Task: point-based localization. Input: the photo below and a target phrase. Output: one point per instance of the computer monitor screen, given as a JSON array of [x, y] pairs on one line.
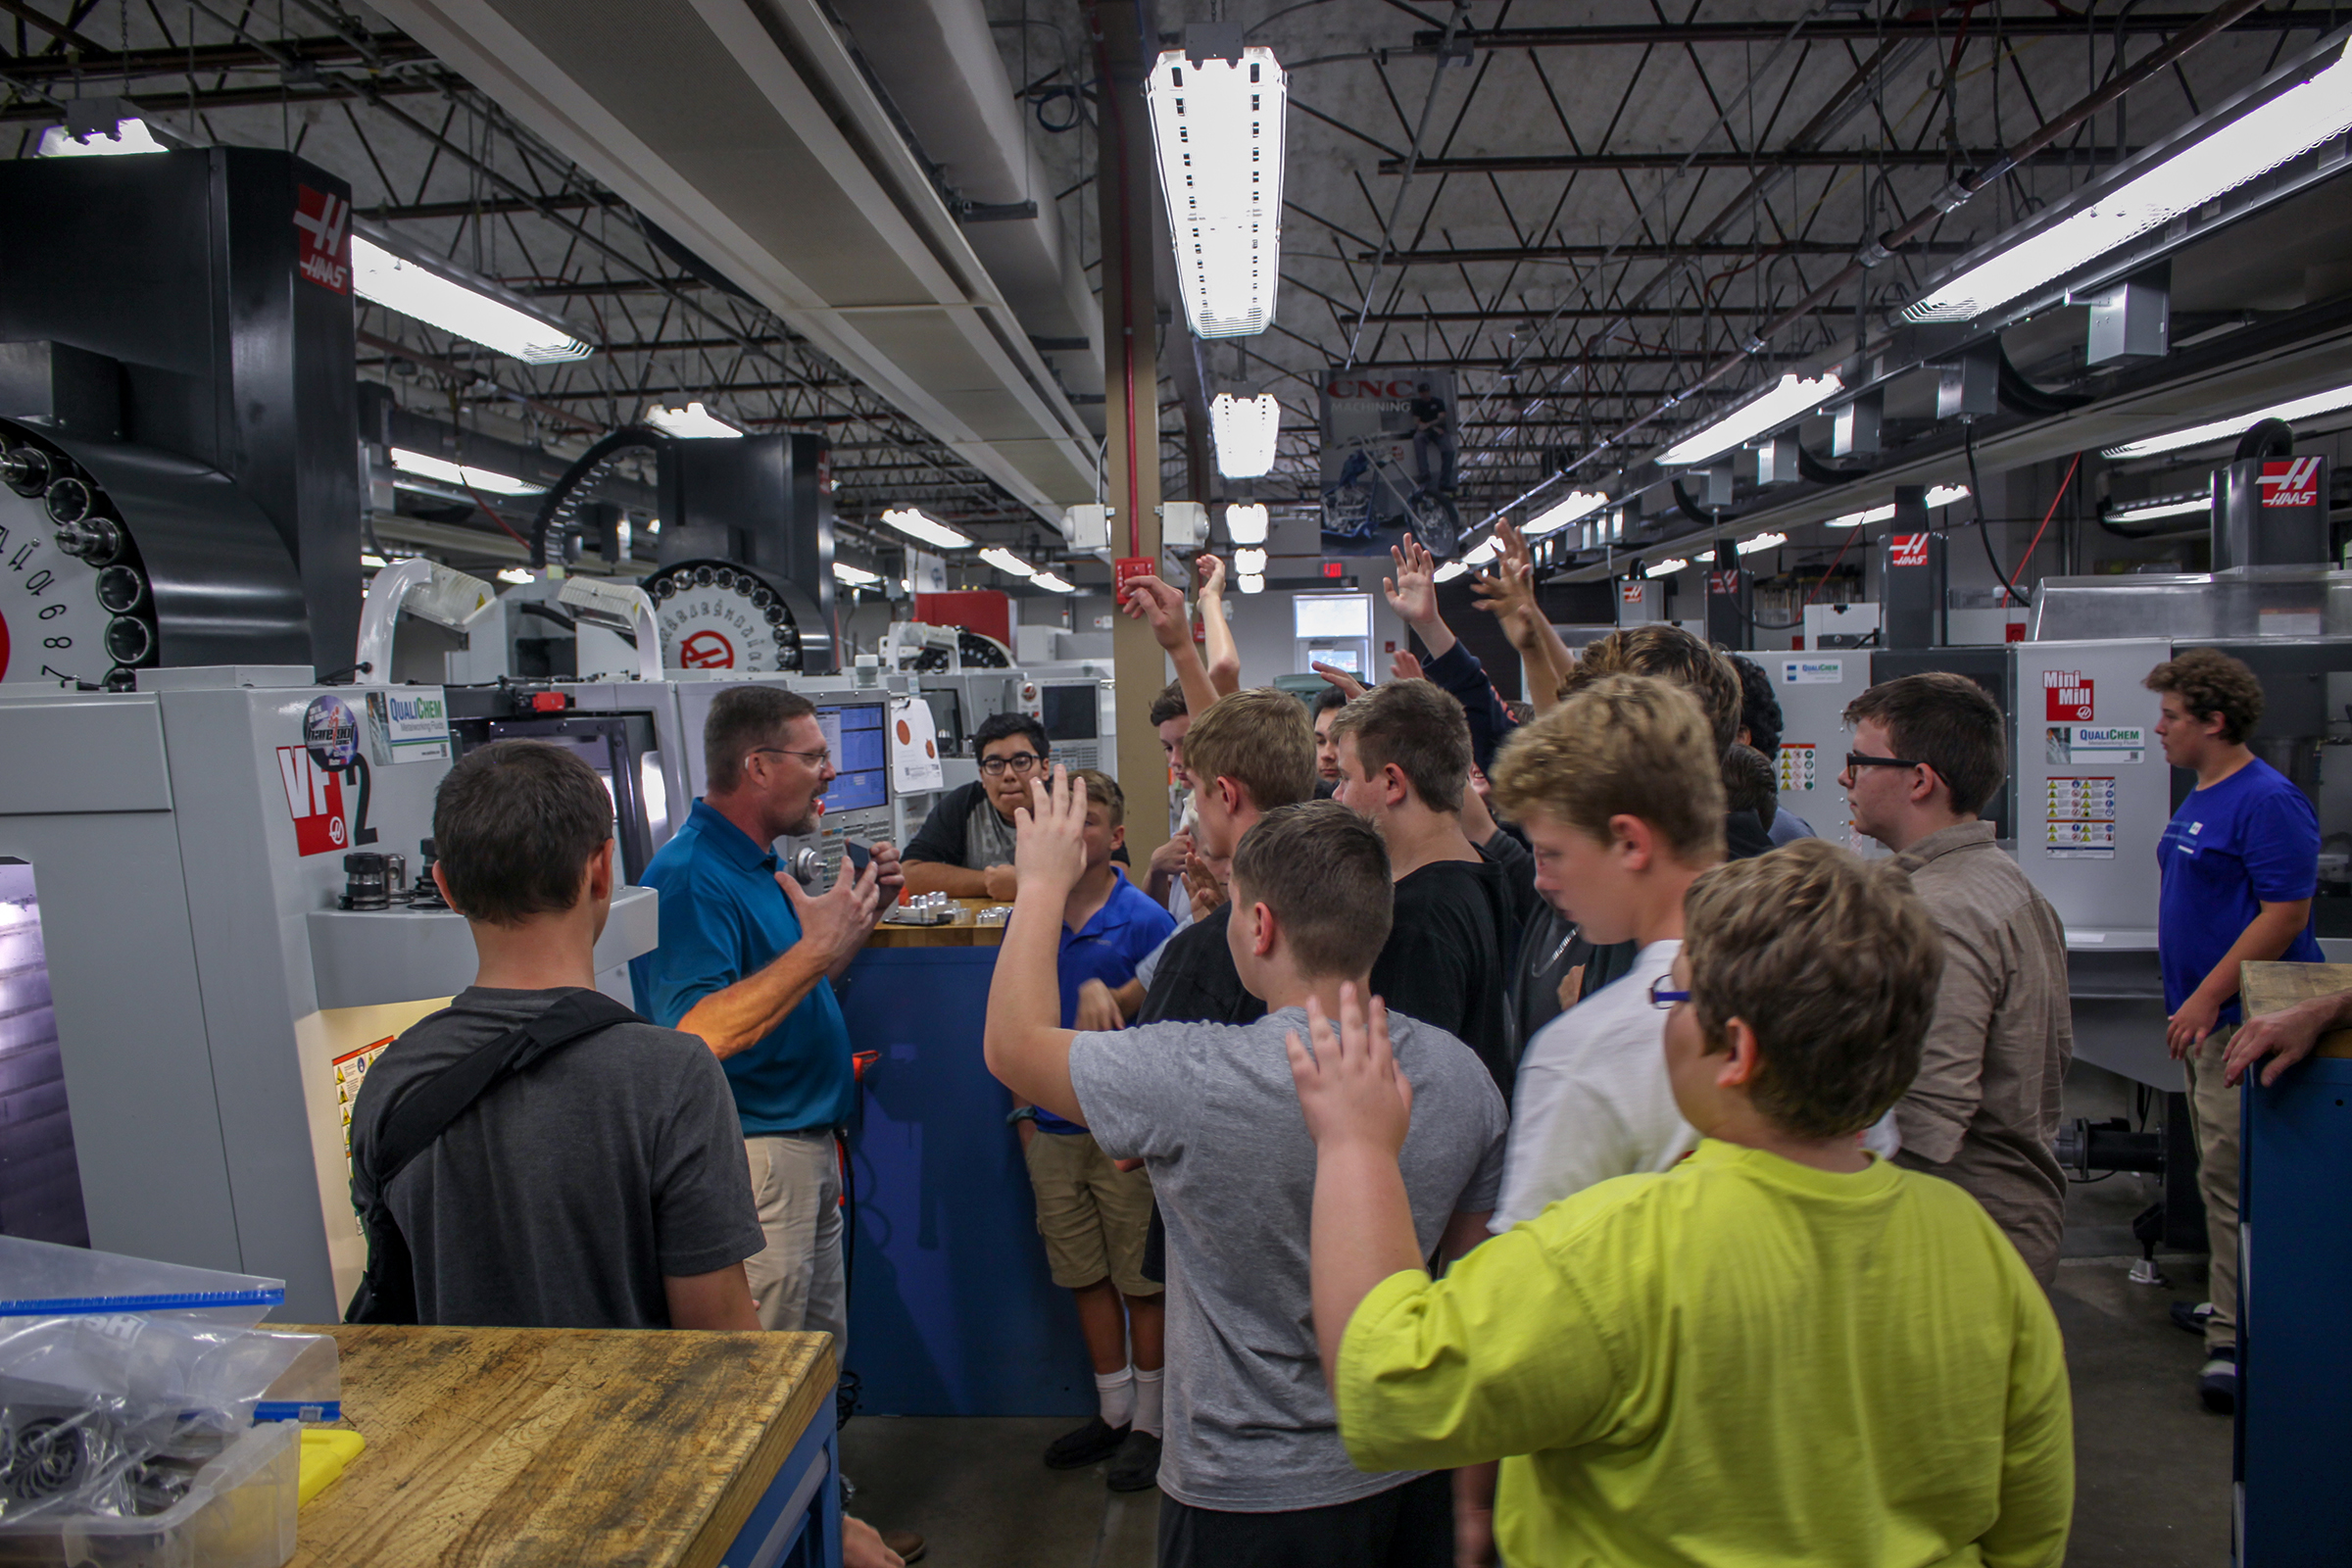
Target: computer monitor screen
[[1331, 615], [860, 748], [1070, 712]]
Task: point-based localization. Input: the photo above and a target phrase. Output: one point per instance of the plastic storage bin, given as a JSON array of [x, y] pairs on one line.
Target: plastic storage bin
[[238, 1513]]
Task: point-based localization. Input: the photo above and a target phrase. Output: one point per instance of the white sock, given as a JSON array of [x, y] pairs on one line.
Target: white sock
[[1117, 1391], [1148, 1385]]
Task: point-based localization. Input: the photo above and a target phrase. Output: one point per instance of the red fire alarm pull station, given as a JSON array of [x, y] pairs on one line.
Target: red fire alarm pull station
[[1126, 570]]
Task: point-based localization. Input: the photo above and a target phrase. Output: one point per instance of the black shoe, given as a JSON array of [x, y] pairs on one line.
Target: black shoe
[[1136, 1466], [2191, 1315], [1090, 1443], [2216, 1380]]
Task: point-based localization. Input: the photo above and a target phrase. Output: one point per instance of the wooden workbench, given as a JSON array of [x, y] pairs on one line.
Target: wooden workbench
[[500, 1447], [964, 933], [2270, 987]]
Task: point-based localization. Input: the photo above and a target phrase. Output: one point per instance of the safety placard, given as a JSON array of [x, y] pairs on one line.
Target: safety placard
[[351, 1071], [1797, 766], [2078, 818]]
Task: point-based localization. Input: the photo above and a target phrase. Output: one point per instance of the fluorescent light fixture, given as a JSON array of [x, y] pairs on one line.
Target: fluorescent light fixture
[[854, 576], [694, 423], [370, 560], [1483, 553], [1943, 495], [2304, 117], [2197, 435], [1667, 567], [1245, 429], [1705, 557], [127, 136], [1785, 400], [1217, 129], [1052, 583], [2151, 511], [1762, 541], [469, 309], [1245, 523], [490, 482], [1254, 585], [1578, 504], [1448, 572], [1250, 562], [514, 574], [917, 525], [1007, 562]]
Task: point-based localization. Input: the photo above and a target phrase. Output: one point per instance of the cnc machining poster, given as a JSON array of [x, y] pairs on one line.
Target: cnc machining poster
[[1368, 465]]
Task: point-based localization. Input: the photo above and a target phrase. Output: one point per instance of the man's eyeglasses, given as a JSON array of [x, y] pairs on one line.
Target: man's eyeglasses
[[1660, 995], [819, 759], [1018, 762], [1861, 759]]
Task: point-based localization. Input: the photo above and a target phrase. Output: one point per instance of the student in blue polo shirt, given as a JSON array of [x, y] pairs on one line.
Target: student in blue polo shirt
[[1095, 1216], [747, 961], [2239, 863]]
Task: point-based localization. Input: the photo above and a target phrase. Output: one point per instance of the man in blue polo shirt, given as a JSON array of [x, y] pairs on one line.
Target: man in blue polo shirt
[[747, 961], [1094, 1215], [2239, 863]]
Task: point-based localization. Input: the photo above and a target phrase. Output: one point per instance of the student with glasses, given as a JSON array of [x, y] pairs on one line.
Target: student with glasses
[[965, 846]]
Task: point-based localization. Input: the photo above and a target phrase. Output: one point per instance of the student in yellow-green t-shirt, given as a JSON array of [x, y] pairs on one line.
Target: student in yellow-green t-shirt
[[1783, 1350]]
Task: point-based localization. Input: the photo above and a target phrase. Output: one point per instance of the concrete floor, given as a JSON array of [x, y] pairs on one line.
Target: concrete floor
[[2151, 1466]]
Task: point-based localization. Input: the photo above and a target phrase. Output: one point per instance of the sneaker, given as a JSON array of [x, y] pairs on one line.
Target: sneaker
[[2216, 1380], [2191, 1316], [1136, 1466], [1090, 1443]]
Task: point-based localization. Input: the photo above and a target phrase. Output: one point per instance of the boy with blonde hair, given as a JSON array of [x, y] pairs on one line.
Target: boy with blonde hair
[[1783, 1351]]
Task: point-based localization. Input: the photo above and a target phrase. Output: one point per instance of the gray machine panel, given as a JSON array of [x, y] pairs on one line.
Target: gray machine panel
[[1814, 689], [77, 755], [2094, 791]]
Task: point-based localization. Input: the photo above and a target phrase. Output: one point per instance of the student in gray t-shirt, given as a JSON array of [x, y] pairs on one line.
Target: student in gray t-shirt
[[1254, 1470]]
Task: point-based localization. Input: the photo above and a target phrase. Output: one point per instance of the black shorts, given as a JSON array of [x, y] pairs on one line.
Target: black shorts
[[1405, 1527]]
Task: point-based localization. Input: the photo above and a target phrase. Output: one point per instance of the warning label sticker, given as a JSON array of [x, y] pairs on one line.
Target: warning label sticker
[[2078, 818], [1798, 770]]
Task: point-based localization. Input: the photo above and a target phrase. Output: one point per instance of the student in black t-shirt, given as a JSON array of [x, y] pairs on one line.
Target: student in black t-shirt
[[1404, 763]]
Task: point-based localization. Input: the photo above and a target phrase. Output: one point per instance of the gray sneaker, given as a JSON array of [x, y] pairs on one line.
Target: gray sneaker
[[1136, 1466]]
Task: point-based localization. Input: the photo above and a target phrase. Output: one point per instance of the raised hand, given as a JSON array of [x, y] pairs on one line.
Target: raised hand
[[1349, 1086], [840, 920], [1402, 665], [1209, 574], [1413, 592], [1050, 834], [1161, 604], [1341, 679]]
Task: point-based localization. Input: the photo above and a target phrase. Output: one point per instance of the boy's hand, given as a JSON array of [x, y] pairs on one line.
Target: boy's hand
[[1349, 1086], [1050, 834], [1162, 605], [1204, 884], [1413, 592], [1346, 683], [1098, 1009], [1403, 666], [1208, 573], [1003, 883], [2184, 1031]]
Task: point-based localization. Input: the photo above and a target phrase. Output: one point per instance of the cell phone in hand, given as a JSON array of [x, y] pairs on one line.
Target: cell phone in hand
[[855, 856]]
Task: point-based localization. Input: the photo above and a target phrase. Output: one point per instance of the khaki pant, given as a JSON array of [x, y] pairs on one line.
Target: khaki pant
[[2213, 1111], [1093, 1215], [797, 1281]]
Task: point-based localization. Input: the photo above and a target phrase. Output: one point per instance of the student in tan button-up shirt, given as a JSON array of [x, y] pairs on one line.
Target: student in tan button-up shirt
[[1929, 751]]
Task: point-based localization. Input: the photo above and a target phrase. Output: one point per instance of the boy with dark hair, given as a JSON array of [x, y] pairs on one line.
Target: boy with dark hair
[[1930, 750], [2239, 863], [1405, 767], [1781, 1350], [1327, 704], [1253, 1471], [1760, 720], [964, 847], [604, 1187], [1093, 1217]]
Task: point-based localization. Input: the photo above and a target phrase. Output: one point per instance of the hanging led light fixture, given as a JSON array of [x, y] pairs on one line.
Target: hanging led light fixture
[[472, 307], [1007, 562], [1577, 504], [2306, 116], [694, 423], [1250, 562], [1245, 430], [1786, 399], [490, 482], [2197, 435], [1052, 583], [1217, 129], [919, 525], [2171, 507], [1762, 541], [1254, 585], [1448, 572], [1667, 567], [1943, 495], [1245, 523], [854, 576]]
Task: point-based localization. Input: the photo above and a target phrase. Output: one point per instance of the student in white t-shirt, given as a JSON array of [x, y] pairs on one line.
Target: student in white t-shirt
[[1619, 794]]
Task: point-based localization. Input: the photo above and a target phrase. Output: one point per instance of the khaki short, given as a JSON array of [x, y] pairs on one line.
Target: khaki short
[[1093, 1215]]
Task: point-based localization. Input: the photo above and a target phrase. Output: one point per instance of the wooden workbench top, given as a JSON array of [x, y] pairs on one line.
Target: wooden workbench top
[[964, 933], [501, 1448], [2270, 987]]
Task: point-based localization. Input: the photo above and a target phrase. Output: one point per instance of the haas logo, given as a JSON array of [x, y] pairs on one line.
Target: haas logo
[[322, 238], [2294, 482], [1908, 550], [707, 650]]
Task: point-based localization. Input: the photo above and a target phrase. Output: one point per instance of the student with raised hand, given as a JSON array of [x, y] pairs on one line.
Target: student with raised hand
[[1413, 594], [1784, 1350], [1252, 1472]]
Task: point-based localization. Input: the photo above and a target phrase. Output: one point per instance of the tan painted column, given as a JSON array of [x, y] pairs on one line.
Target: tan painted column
[[1127, 183]]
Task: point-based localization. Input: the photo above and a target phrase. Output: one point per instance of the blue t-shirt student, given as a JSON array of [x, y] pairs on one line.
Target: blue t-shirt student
[[2250, 840], [1128, 927]]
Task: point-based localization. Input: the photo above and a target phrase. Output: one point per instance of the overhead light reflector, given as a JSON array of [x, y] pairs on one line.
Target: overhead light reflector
[[917, 525], [1483, 553], [1785, 400], [2152, 510], [489, 482], [1052, 583], [130, 135], [1667, 567], [2304, 117], [1245, 430], [2197, 435], [854, 576], [1254, 585], [1762, 541], [692, 422], [471, 309], [1578, 504], [1007, 562], [1217, 129], [1943, 495], [1249, 563], [1245, 523]]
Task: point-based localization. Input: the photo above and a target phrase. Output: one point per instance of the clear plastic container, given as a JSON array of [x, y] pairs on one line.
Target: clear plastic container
[[239, 1512], [41, 1279]]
